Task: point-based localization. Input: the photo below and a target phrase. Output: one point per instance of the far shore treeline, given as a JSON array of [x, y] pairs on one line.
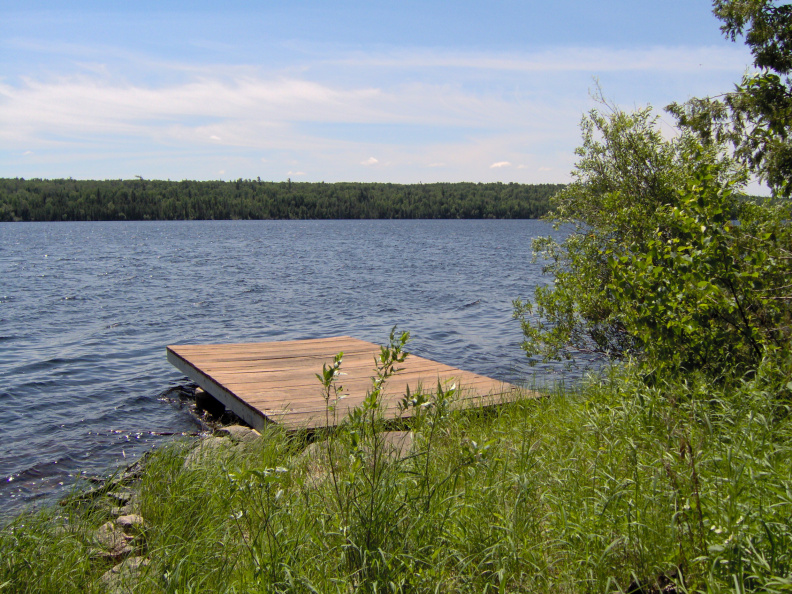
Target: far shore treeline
[[142, 199]]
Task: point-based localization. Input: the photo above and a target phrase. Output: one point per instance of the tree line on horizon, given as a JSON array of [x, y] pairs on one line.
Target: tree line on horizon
[[142, 199]]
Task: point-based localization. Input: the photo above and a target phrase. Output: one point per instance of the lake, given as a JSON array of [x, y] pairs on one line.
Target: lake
[[86, 310]]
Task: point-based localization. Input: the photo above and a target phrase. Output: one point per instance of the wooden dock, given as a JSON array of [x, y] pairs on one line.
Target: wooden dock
[[276, 381]]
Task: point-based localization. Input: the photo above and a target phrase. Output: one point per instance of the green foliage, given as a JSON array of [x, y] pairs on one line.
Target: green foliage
[[664, 261], [707, 292], [140, 199], [627, 177], [381, 501], [756, 117]]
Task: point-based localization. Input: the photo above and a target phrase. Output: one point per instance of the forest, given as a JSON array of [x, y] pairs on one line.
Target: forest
[[142, 199]]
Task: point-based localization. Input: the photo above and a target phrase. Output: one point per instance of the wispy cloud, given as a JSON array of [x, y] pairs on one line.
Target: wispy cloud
[[524, 107], [245, 112]]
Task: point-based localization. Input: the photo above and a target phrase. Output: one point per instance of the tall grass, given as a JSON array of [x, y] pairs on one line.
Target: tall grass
[[614, 487]]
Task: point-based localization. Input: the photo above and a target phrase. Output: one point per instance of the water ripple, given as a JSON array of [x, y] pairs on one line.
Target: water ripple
[[88, 308]]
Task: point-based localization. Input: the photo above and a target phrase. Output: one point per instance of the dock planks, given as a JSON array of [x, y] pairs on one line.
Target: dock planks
[[276, 381]]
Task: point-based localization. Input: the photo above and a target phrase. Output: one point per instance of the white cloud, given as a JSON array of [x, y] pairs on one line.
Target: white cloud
[[100, 102], [425, 113], [80, 104]]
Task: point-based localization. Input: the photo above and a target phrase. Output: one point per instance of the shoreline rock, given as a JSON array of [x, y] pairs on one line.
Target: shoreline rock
[[123, 577]]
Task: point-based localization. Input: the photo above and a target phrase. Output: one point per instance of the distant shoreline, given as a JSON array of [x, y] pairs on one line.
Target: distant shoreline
[[23, 200]]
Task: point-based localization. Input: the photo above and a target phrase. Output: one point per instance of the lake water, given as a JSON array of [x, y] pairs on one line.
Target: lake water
[[86, 310]]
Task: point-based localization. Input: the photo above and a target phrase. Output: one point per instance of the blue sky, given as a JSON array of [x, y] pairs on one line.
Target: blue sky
[[337, 91]]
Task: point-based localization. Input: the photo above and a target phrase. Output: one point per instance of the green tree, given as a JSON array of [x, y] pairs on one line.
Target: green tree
[[664, 261], [756, 117], [626, 177], [707, 292]]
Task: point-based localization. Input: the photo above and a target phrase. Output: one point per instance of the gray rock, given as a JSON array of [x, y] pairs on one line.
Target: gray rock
[[208, 448], [315, 452], [316, 457], [123, 578], [114, 542], [129, 522], [122, 511], [316, 460], [238, 433], [398, 443]]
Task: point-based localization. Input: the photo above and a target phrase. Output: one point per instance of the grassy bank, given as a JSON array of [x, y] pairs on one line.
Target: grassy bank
[[613, 487]]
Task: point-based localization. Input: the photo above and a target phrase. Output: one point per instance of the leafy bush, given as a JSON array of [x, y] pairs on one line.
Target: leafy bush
[[664, 263], [626, 175], [708, 292]]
